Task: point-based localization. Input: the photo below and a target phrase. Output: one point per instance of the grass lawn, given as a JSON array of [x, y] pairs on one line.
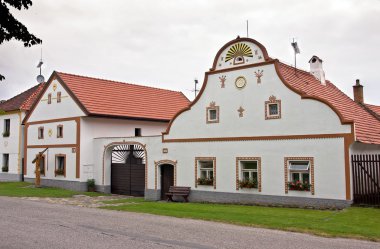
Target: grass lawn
[[23, 189], [354, 222]]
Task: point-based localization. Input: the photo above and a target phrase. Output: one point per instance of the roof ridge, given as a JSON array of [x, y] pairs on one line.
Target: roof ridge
[[118, 82]]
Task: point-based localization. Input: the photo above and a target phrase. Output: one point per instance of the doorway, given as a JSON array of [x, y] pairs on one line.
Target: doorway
[[167, 179]]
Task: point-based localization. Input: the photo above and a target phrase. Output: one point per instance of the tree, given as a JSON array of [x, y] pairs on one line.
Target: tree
[[11, 28]]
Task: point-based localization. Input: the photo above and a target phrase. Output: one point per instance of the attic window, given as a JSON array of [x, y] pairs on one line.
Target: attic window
[[313, 60], [212, 113], [40, 132], [137, 132], [60, 131], [59, 97], [49, 98], [273, 108]]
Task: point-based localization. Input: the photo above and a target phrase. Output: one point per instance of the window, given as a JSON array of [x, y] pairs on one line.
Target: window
[[49, 98], [299, 171], [60, 165], [212, 113], [248, 173], [5, 166], [205, 171], [40, 132], [272, 108], [59, 97], [137, 132], [299, 174], [7, 128], [60, 131]]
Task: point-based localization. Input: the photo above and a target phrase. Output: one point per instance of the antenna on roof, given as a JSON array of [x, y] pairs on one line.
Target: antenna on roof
[[40, 78], [296, 51], [247, 29]]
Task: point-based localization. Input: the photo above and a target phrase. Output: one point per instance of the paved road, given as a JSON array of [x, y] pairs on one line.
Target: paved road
[[30, 224]]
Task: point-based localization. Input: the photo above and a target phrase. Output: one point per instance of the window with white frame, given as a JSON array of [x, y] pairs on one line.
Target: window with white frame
[[249, 174], [212, 113], [206, 169], [205, 172], [299, 171]]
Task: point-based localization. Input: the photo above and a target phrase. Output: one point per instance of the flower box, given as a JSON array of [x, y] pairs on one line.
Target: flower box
[[205, 181], [59, 172], [251, 183], [299, 186], [6, 134], [4, 169]]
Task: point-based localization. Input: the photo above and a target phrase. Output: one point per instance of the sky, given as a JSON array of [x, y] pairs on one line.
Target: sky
[[169, 43]]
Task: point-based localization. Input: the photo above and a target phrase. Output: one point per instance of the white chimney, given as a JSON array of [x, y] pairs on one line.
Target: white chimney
[[316, 69]]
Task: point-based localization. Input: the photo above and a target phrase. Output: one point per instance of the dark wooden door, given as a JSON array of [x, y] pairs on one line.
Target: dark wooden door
[[167, 179], [128, 178]]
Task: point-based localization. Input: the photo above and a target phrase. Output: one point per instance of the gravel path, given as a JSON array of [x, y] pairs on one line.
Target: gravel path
[[36, 224]]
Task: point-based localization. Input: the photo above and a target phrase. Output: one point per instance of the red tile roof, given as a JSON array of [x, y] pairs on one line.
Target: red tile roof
[[367, 127], [117, 99], [24, 100], [374, 108]]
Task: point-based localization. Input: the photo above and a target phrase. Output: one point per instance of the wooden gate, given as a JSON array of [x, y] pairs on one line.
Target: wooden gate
[[366, 179], [128, 170]]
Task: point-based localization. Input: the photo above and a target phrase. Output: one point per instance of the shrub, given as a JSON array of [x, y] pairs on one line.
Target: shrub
[[248, 183], [91, 185], [299, 186], [205, 181]]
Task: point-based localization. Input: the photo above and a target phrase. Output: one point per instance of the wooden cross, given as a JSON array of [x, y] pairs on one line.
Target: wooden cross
[[37, 161]]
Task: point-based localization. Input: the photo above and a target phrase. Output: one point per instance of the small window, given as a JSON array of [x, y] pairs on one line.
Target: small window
[[60, 131], [273, 109], [299, 175], [212, 114], [60, 165], [58, 97], [137, 132], [5, 166], [49, 98], [40, 132], [7, 128]]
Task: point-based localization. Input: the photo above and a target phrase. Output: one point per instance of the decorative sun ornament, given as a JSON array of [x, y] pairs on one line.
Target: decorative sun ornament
[[54, 86], [240, 82], [237, 53], [50, 132]]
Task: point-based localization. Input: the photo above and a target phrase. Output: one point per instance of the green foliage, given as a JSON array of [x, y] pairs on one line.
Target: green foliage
[[60, 172], [299, 186], [251, 183], [91, 183], [205, 181], [11, 28], [352, 222], [24, 189], [4, 169], [6, 134]]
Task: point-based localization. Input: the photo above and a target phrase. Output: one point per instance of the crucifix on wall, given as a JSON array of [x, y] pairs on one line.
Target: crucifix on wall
[[37, 161]]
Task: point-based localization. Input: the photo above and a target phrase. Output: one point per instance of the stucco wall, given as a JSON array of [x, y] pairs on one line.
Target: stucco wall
[[100, 127], [298, 116], [12, 145], [66, 108]]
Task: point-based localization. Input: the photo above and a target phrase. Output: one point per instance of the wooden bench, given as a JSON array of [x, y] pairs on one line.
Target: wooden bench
[[178, 191]]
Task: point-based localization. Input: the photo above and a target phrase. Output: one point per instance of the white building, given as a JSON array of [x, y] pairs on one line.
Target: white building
[[258, 132], [12, 113], [72, 110]]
